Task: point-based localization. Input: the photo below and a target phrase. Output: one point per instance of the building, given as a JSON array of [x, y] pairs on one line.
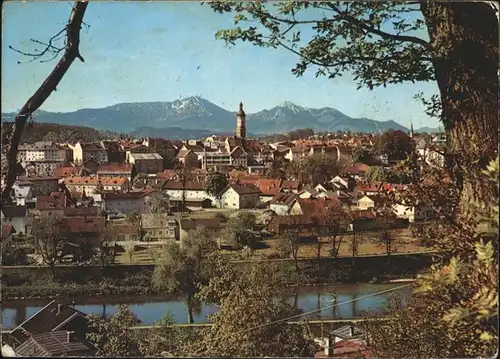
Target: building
[[125, 170], [23, 195], [237, 196], [186, 225], [189, 190], [150, 163], [40, 186], [223, 160], [188, 158], [56, 344], [159, 227], [51, 318], [132, 202], [43, 152], [96, 183], [417, 213], [165, 148], [321, 207], [280, 203], [241, 128], [371, 201], [17, 217], [84, 151]]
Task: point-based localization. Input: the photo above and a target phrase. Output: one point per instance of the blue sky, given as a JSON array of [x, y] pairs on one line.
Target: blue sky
[[162, 51]]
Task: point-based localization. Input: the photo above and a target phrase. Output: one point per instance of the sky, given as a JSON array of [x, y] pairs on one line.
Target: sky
[[163, 51]]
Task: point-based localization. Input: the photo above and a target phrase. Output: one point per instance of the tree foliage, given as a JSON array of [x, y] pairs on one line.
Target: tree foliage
[[114, 337], [250, 322], [215, 184], [13, 254], [394, 144], [385, 43], [239, 230], [454, 308], [49, 235], [180, 267]]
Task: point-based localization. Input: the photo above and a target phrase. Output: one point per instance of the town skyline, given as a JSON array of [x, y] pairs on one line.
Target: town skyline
[[192, 63]]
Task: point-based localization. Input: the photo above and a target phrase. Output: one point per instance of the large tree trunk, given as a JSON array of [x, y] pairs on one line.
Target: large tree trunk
[[43, 92], [464, 41]]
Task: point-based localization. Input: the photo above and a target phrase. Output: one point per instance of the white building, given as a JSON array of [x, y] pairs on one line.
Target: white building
[[42, 152], [134, 202], [238, 196], [413, 213], [17, 217]]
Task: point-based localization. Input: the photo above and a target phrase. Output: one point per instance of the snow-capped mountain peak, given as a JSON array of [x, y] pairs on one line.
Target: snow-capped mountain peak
[[291, 106]]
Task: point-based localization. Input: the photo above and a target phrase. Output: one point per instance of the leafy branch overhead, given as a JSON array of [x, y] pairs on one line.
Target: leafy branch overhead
[[376, 41]]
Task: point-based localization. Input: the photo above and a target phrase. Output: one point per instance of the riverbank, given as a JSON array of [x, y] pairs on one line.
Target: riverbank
[[135, 280]]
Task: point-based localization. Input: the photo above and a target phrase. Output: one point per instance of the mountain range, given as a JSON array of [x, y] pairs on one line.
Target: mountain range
[[198, 117]]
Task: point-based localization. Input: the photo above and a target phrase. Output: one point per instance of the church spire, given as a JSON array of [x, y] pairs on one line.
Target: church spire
[[241, 129], [411, 129]]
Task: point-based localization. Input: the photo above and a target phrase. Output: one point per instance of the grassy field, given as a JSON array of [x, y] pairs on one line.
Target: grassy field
[[367, 245]]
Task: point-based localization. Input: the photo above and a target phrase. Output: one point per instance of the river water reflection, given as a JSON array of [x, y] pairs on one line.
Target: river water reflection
[[150, 309]]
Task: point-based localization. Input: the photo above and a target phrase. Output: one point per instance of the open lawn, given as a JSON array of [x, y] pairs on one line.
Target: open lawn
[[367, 245]]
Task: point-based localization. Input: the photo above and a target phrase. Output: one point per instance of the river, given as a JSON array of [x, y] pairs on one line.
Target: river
[[150, 309]]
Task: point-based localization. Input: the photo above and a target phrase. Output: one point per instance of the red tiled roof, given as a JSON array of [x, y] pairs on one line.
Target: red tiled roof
[[85, 224], [242, 189], [167, 174], [7, 230], [283, 198], [189, 185], [358, 168], [95, 180], [319, 206], [65, 171], [294, 185], [115, 167], [269, 187], [55, 200]]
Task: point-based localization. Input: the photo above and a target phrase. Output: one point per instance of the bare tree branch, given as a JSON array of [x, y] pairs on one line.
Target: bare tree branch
[[43, 92]]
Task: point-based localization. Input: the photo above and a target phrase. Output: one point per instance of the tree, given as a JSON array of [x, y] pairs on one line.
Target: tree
[[239, 230], [140, 178], [180, 268], [114, 337], [289, 244], [160, 203], [380, 45], [454, 307], [377, 173], [394, 144], [105, 252], [160, 340], [49, 235], [130, 252], [13, 255], [320, 168], [215, 184], [300, 134], [70, 53], [251, 321], [362, 155], [387, 241]]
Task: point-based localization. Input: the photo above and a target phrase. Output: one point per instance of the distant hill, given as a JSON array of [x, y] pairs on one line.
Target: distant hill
[[57, 133], [196, 113], [430, 129]]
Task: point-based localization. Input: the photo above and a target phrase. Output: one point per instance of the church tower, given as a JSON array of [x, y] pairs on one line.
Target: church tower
[[241, 128]]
